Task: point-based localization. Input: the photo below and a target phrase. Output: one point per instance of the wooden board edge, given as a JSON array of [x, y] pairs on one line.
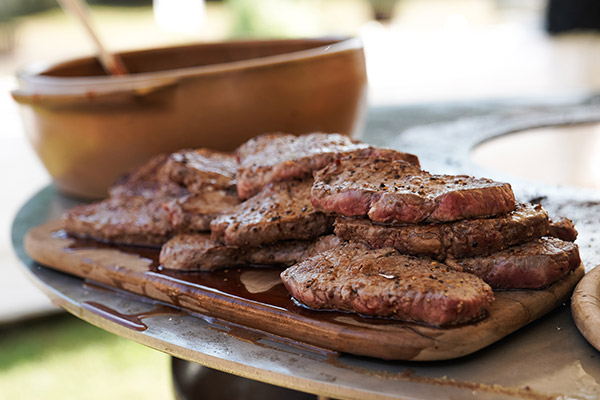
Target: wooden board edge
[[510, 311], [405, 341]]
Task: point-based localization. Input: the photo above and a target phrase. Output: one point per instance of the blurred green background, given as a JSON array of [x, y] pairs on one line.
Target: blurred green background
[[62, 357]]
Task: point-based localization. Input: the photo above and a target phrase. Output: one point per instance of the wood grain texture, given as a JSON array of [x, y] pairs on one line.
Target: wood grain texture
[[239, 296], [585, 307]]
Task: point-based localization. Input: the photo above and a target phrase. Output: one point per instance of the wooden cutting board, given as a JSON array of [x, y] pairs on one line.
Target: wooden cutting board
[[256, 298]]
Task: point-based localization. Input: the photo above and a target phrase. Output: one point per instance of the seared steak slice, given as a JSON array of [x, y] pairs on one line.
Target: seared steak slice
[[194, 213], [385, 283], [397, 192], [532, 265], [148, 180], [170, 174], [133, 220], [459, 239], [201, 168], [153, 202], [277, 157], [145, 221], [563, 229], [282, 211], [198, 252]]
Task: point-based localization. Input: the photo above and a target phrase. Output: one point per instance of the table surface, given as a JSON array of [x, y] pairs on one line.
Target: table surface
[[546, 359]]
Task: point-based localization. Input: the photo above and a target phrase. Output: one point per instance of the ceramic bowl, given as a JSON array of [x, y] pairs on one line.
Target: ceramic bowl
[[89, 128]]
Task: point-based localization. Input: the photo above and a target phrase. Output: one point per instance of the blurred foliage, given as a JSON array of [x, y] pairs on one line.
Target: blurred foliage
[[15, 8], [63, 357], [297, 18], [272, 18], [383, 10]]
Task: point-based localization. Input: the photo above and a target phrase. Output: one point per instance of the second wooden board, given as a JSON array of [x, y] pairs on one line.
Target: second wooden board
[[585, 307]]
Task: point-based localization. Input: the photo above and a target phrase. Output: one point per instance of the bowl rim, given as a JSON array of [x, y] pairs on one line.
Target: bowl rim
[[32, 83]]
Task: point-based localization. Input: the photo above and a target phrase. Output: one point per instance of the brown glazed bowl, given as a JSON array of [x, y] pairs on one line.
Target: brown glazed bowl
[[89, 128]]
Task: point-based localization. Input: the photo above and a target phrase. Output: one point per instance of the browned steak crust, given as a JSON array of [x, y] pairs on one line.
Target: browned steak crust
[[148, 180], [153, 202], [197, 252], [201, 168], [147, 221], [532, 265], [282, 211], [392, 191], [563, 229], [458, 239], [385, 283], [185, 170], [194, 213], [277, 157], [123, 219]]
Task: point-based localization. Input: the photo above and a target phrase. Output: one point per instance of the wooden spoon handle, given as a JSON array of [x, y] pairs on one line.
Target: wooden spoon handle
[[111, 63]]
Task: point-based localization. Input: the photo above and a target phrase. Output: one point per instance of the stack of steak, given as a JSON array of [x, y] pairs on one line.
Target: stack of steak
[[362, 229], [158, 200]]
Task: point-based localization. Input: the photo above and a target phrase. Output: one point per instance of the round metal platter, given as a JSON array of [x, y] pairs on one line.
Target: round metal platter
[[546, 359]]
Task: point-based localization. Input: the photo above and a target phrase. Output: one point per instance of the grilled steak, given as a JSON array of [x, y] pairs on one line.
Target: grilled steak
[[169, 174], [282, 211], [532, 265], [147, 221], [397, 192], [152, 203], [384, 283], [134, 220], [458, 239], [194, 213], [563, 229], [198, 252], [278, 157], [148, 180], [201, 168]]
